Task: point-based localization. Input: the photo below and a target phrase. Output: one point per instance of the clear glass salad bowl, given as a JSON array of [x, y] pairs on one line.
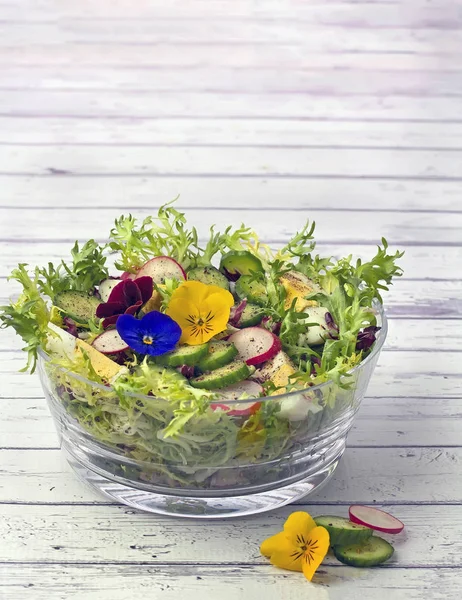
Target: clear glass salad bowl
[[252, 457]]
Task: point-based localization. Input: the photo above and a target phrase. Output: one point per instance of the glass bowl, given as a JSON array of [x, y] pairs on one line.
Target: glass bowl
[[228, 463]]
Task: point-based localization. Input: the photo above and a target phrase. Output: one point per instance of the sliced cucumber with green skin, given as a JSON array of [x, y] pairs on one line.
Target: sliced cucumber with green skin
[[251, 315], [342, 531], [236, 263], [370, 553], [222, 377], [220, 353], [184, 355], [77, 305], [254, 291], [209, 275]]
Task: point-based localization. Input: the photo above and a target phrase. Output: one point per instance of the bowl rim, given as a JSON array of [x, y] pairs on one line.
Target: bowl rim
[[378, 344]]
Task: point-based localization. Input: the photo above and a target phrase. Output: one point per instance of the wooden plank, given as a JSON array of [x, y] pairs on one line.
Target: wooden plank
[[277, 80], [378, 15], [74, 104], [236, 193], [116, 535], [419, 262], [405, 422], [94, 54], [248, 162], [398, 374], [354, 226], [221, 132], [120, 582], [406, 475]]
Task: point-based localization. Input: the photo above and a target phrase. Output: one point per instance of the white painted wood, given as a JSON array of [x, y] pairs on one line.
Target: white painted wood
[[405, 422], [134, 105], [273, 226], [305, 162], [398, 374], [434, 264], [125, 582], [89, 534], [324, 193], [365, 475]]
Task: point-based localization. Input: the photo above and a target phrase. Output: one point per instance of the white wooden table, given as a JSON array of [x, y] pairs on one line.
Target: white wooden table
[[268, 111]]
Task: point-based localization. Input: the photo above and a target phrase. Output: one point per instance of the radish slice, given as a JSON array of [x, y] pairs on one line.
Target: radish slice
[[126, 275], [375, 519], [255, 344], [109, 342], [161, 268], [106, 287], [243, 409]]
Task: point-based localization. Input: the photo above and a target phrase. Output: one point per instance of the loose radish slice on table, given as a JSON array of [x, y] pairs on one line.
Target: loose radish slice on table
[[161, 268], [255, 344], [375, 519], [106, 287], [109, 342]]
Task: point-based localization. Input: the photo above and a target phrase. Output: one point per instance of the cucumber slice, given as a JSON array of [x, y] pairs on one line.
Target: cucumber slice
[[220, 354], [342, 531], [184, 355], [209, 275], [254, 291], [370, 553], [251, 315], [222, 377], [77, 305], [236, 263]]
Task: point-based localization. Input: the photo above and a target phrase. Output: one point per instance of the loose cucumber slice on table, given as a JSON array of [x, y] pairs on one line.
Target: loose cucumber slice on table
[[209, 275], [184, 355], [251, 315], [254, 291], [77, 305], [222, 377], [220, 353], [342, 531], [239, 262], [370, 553]]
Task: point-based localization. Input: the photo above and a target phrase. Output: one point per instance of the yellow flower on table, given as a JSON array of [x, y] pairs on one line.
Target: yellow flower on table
[[200, 310], [302, 545]]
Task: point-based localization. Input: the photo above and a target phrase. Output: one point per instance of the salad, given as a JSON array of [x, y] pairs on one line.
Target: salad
[[168, 356]]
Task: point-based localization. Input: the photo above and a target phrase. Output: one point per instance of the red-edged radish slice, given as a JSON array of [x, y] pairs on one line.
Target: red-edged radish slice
[[240, 409], [255, 344], [109, 342], [161, 268], [233, 392], [106, 287], [126, 275], [375, 519]]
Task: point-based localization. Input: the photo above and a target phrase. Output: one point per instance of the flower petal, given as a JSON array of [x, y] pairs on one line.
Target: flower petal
[[132, 310], [145, 286], [287, 556], [107, 309], [316, 550], [272, 543], [297, 527]]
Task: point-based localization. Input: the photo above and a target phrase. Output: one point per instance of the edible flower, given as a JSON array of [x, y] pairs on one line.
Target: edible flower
[[302, 545], [201, 310], [154, 334], [127, 297]]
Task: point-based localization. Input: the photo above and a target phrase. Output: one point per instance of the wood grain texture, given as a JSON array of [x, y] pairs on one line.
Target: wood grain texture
[[123, 582], [406, 475], [96, 534]]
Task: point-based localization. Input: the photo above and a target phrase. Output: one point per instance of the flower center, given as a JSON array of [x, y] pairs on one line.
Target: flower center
[[148, 339], [200, 324]]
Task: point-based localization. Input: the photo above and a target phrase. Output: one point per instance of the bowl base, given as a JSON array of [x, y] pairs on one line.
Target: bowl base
[[204, 507]]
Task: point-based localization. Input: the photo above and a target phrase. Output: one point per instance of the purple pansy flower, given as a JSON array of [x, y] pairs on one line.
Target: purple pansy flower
[[154, 334]]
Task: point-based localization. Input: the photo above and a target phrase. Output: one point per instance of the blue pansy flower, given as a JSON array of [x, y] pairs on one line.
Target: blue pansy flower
[[154, 334]]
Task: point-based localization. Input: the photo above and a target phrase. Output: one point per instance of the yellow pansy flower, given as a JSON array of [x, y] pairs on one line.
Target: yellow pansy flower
[[302, 545], [200, 310]]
